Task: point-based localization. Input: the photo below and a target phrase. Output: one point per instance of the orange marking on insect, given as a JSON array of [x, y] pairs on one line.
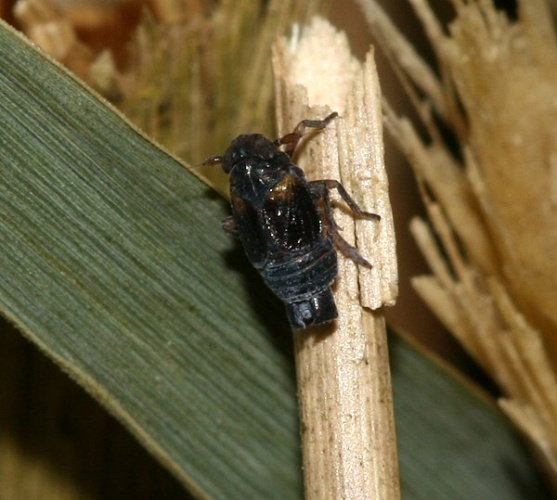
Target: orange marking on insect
[[284, 190], [238, 204]]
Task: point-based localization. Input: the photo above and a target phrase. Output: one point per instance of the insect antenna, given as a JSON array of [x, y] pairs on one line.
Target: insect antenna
[[212, 160]]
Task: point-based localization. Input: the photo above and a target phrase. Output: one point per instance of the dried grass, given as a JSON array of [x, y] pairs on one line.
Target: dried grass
[[492, 203]]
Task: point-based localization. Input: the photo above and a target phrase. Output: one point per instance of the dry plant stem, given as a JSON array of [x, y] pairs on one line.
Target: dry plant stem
[[348, 439], [348, 436]]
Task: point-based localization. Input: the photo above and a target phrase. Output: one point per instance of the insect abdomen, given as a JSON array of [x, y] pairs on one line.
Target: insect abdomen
[[303, 282]]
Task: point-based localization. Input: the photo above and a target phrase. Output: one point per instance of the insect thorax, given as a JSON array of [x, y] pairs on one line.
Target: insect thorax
[[252, 179]]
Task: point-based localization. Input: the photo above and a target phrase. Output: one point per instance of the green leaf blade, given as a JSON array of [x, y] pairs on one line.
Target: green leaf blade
[[453, 443], [114, 263]]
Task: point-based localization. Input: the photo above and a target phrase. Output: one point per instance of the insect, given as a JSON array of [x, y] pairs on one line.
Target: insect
[[286, 224]]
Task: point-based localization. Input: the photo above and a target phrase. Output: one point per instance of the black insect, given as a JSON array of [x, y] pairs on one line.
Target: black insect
[[285, 222]]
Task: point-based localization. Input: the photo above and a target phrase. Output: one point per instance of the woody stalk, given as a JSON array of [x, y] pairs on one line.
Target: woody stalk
[[346, 411]]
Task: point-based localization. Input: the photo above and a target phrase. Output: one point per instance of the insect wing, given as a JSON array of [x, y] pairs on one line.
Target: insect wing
[[290, 214], [249, 229]]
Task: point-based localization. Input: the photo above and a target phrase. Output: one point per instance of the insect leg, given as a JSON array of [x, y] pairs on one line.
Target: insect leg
[[290, 141], [320, 191], [230, 227], [333, 184]]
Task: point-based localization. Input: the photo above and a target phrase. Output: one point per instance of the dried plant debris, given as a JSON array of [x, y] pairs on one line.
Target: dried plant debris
[[190, 74], [493, 204]]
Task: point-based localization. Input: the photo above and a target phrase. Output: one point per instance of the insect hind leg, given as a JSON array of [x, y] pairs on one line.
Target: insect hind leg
[[320, 190], [291, 140]]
